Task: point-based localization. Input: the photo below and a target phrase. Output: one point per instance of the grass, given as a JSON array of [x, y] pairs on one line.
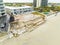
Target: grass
[[38, 13], [18, 4]]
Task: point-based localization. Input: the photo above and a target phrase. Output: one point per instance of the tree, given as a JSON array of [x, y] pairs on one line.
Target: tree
[[53, 6]]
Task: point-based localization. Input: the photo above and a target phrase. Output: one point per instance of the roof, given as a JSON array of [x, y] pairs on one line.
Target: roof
[[10, 7]]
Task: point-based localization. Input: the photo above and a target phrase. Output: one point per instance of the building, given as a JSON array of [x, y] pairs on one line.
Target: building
[[2, 11], [44, 2], [39, 3], [18, 10], [3, 17]]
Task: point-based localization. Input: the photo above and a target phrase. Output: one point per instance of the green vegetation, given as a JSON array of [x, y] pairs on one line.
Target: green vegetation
[[38, 13], [57, 8], [42, 9], [47, 9], [18, 4]]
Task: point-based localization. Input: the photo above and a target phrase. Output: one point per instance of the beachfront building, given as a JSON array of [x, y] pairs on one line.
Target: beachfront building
[[2, 11], [39, 3], [3, 17], [18, 10]]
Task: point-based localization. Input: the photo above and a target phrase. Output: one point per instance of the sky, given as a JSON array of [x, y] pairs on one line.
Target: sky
[[50, 1]]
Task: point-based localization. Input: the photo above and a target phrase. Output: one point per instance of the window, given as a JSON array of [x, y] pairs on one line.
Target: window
[[15, 13], [2, 13], [1, 0], [20, 11], [2, 10], [1, 4], [1, 7], [14, 9]]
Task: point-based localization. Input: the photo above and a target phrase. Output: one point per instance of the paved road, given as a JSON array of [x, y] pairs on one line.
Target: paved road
[[46, 34]]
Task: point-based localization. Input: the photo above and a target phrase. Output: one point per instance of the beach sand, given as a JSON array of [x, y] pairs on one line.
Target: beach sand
[[46, 34]]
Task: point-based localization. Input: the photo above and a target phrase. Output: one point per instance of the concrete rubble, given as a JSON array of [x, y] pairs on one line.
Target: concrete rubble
[[25, 23]]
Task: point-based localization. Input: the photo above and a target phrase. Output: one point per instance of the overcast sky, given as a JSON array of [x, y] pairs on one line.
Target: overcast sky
[[55, 1]]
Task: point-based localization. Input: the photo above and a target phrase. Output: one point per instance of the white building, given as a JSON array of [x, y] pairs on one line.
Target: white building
[[1, 7], [18, 10], [3, 17], [38, 3]]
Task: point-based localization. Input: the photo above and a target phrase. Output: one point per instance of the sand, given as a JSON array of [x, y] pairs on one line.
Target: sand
[[46, 34]]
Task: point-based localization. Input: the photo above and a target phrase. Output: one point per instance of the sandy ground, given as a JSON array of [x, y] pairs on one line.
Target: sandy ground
[[46, 34]]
